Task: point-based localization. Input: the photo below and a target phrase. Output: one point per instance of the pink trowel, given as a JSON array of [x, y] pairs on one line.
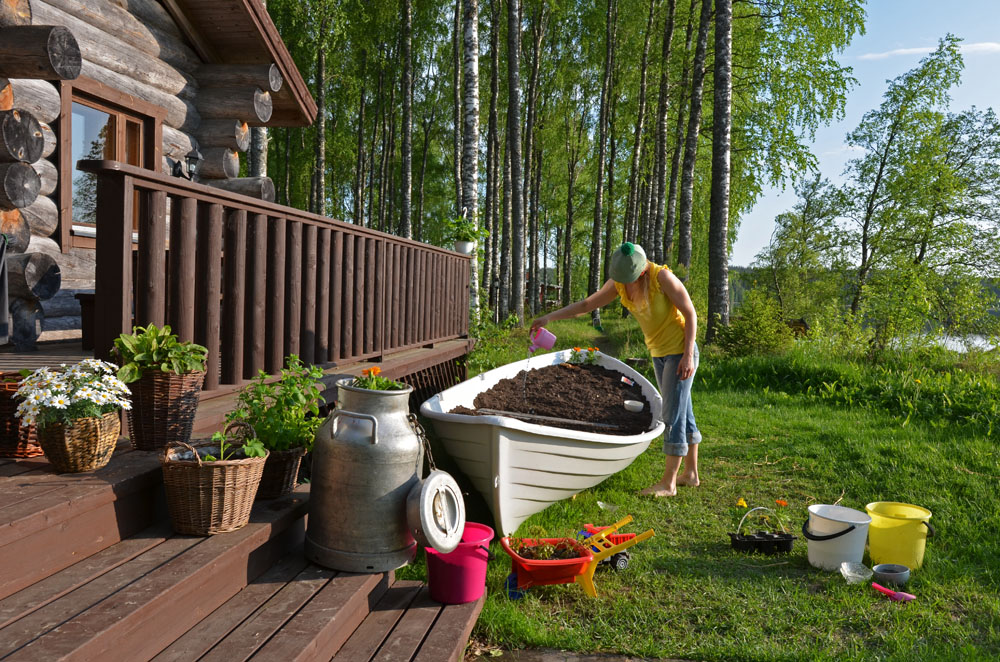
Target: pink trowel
[[898, 596]]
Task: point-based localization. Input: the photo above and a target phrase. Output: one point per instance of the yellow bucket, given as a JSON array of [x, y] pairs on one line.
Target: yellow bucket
[[898, 533]]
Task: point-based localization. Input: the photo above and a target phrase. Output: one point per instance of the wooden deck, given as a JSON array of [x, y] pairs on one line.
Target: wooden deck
[[93, 571]]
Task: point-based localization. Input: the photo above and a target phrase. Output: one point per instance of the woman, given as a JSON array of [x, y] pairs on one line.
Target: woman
[[658, 301]]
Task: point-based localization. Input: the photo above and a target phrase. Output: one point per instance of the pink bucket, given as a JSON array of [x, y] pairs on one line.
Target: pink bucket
[[460, 576]]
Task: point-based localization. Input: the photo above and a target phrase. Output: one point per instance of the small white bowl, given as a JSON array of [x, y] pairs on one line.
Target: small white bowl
[[634, 405]]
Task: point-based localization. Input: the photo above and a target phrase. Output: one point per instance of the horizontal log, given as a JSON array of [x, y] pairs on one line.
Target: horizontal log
[[63, 304], [48, 176], [33, 276], [261, 188], [15, 12], [19, 185], [265, 76], [49, 52], [177, 144], [42, 216], [219, 163], [77, 265], [38, 97], [180, 113], [111, 52], [21, 137], [250, 104], [26, 318], [49, 138], [18, 233], [119, 20], [230, 133]]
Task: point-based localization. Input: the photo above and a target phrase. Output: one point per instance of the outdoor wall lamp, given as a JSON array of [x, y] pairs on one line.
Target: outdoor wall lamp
[[193, 159]]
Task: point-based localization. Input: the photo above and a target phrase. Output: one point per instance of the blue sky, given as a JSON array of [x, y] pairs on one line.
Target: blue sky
[[898, 33]]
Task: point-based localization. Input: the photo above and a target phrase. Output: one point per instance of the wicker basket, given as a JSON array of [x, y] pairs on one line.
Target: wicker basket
[[84, 445], [281, 472], [15, 440], [164, 405], [205, 498]]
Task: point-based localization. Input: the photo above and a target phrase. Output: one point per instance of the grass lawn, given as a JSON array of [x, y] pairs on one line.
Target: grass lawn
[[686, 594]]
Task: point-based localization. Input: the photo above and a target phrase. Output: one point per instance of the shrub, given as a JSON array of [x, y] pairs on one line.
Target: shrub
[[758, 329]]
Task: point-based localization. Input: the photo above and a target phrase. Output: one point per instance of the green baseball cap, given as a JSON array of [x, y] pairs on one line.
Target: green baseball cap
[[627, 263]]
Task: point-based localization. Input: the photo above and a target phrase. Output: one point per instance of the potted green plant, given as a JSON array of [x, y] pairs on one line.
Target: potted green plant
[[285, 415], [75, 411], [463, 233], [211, 485], [165, 377]]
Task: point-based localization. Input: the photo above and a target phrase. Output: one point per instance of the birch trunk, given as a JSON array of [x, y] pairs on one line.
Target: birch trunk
[[660, 168], [718, 218], [457, 110], [470, 133], [691, 142], [406, 145], [594, 281], [514, 146], [675, 161]]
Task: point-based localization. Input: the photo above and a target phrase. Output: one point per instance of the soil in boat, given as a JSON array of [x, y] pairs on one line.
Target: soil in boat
[[590, 396]]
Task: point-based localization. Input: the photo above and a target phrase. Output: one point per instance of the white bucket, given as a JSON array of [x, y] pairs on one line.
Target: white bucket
[[835, 534]]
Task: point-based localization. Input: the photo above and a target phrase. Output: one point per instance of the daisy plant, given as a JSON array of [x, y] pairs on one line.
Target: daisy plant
[[86, 389], [370, 379]]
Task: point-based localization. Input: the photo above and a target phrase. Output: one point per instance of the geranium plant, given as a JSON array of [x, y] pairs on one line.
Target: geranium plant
[[372, 380], [584, 355], [461, 229], [152, 348], [88, 389], [283, 413]]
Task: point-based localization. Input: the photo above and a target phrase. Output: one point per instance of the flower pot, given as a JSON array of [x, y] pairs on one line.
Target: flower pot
[[280, 473], [762, 542], [82, 445], [164, 405], [538, 572], [205, 498], [16, 440], [464, 247]]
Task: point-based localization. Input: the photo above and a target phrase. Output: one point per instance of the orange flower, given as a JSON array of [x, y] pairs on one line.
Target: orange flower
[[781, 502], [576, 349], [372, 371]]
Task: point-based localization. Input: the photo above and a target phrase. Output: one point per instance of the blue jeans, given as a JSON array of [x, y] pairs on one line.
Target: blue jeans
[[678, 413]]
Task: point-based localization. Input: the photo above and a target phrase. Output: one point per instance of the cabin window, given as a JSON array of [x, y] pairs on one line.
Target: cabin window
[[99, 123]]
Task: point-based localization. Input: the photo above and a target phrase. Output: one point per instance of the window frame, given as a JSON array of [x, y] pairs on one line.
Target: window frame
[[109, 100]]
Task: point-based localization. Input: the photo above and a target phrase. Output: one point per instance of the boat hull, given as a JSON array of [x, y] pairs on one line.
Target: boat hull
[[521, 468]]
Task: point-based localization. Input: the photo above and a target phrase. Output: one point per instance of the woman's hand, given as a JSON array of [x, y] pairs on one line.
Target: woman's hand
[[538, 323], [686, 366]]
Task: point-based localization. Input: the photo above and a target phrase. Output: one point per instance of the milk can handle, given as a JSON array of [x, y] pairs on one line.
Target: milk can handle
[[812, 536], [368, 417]]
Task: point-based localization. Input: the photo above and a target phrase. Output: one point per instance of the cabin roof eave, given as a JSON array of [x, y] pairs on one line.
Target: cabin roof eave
[[242, 32]]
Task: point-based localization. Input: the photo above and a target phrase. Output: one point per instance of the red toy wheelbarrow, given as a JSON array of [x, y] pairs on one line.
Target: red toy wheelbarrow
[[604, 543]]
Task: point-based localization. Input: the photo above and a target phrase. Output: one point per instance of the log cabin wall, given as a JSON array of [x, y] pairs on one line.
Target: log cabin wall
[[132, 56]]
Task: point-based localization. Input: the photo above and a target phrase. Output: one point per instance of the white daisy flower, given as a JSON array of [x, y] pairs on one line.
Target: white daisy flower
[[58, 402]]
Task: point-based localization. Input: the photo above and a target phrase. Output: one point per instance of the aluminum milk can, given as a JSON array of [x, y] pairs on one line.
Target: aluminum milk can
[[367, 460]]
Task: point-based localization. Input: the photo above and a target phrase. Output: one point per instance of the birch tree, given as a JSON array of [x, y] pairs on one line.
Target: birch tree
[[514, 148], [470, 132], [718, 223]]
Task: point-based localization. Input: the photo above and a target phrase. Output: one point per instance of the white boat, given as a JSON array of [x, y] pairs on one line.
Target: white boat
[[521, 468]]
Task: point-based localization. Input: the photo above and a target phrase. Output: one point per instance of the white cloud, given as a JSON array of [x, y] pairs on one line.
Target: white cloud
[[980, 48]]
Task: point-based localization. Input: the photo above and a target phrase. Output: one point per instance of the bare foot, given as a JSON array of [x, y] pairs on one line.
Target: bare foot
[[690, 481], [659, 490]]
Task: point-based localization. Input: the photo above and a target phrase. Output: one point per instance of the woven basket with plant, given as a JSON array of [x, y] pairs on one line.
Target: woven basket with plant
[[16, 440], [285, 416], [76, 413], [211, 485], [165, 377]]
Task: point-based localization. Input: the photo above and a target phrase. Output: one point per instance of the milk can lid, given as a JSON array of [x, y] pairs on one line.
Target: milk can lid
[[439, 517]]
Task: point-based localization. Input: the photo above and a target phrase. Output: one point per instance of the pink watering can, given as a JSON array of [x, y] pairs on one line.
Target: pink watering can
[[543, 339]]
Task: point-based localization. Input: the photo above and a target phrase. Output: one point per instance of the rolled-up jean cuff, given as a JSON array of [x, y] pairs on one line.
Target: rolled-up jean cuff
[[681, 449]]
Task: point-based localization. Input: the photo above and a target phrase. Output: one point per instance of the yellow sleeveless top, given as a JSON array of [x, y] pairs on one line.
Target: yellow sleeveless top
[[661, 323]]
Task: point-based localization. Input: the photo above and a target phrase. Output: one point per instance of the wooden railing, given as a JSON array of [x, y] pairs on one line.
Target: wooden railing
[[255, 281]]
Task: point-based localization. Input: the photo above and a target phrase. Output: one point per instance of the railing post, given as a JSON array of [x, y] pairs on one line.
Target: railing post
[[150, 294], [183, 243], [208, 290], [113, 273]]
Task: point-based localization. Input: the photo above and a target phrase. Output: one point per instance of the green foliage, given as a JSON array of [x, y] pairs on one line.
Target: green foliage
[[227, 450], [284, 413], [584, 355], [153, 348], [756, 329], [371, 379], [460, 228]]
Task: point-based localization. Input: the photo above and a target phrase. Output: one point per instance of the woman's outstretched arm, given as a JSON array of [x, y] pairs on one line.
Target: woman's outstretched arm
[[601, 297]]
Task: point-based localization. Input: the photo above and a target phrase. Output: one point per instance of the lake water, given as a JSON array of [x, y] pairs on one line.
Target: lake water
[[965, 343]]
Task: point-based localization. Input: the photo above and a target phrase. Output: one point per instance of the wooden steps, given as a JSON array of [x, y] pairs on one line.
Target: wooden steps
[[93, 571]]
